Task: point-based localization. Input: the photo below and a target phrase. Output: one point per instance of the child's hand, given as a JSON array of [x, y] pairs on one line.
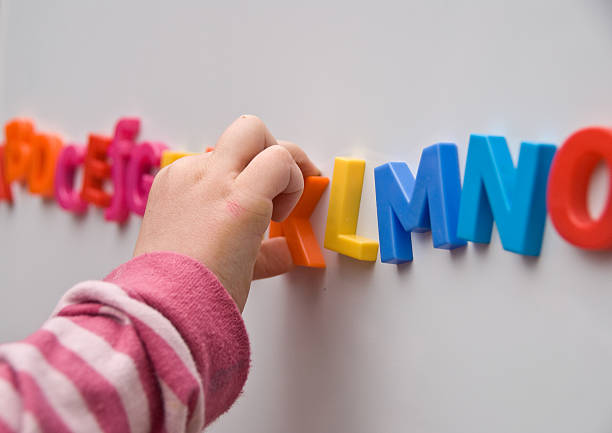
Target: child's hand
[[215, 207]]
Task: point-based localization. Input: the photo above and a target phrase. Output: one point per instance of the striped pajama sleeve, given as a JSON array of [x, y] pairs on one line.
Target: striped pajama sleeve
[[159, 346]]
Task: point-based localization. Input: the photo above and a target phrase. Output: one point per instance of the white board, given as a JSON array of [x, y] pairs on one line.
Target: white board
[[477, 340]]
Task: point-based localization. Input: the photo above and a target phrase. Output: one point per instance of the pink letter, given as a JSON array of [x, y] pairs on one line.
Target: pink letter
[[119, 151], [138, 179], [69, 159]]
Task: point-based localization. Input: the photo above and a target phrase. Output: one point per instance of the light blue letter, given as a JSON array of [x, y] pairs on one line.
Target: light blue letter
[[514, 197]]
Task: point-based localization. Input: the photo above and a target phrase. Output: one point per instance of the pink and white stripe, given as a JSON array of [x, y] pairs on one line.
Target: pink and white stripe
[[179, 371], [117, 368], [58, 396], [107, 361], [10, 402]]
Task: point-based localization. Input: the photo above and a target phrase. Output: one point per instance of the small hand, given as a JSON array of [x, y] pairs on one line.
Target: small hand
[[215, 207]]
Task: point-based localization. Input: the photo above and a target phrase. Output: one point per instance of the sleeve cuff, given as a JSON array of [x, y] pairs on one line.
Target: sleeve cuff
[[193, 299]]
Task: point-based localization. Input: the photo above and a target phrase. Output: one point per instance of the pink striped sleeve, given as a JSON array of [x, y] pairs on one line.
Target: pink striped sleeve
[[159, 346]]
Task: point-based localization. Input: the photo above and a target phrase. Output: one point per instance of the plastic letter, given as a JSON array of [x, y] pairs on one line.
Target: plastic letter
[[97, 170], [138, 181], [45, 150], [343, 212], [169, 156], [515, 197], [431, 202], [119, 153], [568, 186], [296, 228], [18, 149], [5, 187], [69, 159]]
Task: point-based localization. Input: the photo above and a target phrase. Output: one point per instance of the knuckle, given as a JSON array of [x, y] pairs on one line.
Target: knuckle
[[296, 151], [160, 178], [161, 183], [281, 153], [180, 173], [289, 144]]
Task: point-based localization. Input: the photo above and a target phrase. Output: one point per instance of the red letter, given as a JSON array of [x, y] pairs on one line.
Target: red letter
[[568, 186], [5, 188], [97, 170]]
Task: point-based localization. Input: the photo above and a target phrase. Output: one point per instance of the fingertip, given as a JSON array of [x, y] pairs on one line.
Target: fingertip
[[246, 116], [306, 165], [284, 203], [256, 120]]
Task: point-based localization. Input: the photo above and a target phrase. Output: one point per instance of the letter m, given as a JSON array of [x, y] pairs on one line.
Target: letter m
[[429, 202]]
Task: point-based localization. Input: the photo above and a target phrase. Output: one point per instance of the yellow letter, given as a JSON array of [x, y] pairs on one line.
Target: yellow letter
[[169, 156], [343, 212]]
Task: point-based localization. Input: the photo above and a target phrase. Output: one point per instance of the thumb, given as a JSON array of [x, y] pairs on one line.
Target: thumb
[[274, 258], [273, 175]]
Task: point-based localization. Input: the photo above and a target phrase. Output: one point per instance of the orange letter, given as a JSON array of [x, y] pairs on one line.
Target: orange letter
[[301, 240], [18, 149], [45, 150]]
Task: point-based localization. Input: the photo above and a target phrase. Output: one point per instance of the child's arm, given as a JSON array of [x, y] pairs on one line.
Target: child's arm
[[160, 344]]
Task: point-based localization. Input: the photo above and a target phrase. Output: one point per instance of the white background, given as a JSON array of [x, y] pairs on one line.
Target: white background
[[477, 340]]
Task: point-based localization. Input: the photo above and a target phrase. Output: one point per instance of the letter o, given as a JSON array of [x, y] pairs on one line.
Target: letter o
[[568, 186]]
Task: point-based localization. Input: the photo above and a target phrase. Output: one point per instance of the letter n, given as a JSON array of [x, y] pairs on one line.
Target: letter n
[[493, 189]]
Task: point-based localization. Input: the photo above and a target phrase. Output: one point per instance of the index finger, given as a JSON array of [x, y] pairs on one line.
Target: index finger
[[246, 138], [241, 142], [301, 159]]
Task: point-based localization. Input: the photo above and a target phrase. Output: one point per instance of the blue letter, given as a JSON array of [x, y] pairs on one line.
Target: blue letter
[[431, 202], [514, 197]]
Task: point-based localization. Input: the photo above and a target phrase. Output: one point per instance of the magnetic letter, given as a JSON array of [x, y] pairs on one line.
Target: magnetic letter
[[45, 150], [431, 202], [296, 228], [169, 156], [18, 149], [343, 212], [5, 187], [96, 172], [69, 159], [515, 197], [138, 180], [119, 152], [570, 174]]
